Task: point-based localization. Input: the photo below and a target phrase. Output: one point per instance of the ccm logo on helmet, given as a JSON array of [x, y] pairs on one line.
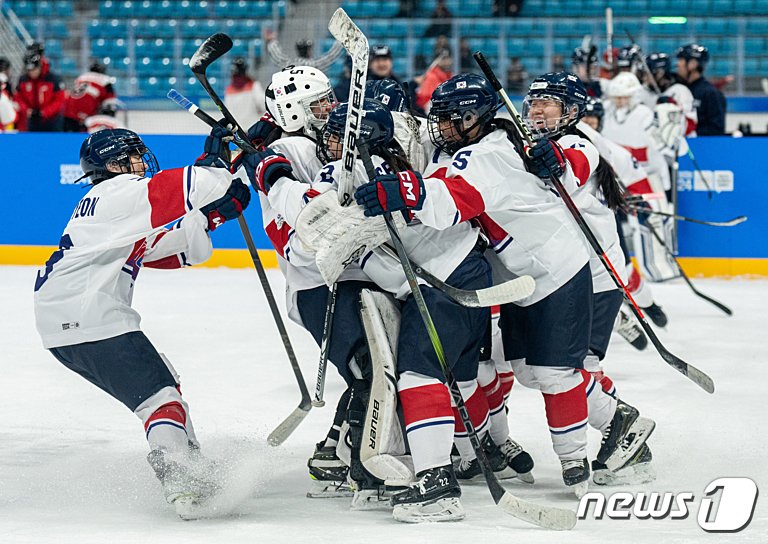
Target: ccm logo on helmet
[[102, 151]]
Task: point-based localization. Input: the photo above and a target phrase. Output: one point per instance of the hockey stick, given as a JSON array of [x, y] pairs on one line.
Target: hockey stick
[[721, 306], [690, 371], [729, 223], [195, 110], [543, 516], [325, 345], [609, 38], [496, 295], [210, 50]]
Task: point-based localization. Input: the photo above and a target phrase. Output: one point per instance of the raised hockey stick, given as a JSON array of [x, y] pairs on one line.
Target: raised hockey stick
[[496, 295], [720, 305], [543, 516], [609, 37], [691, 372], [729, 223], [210, 50]]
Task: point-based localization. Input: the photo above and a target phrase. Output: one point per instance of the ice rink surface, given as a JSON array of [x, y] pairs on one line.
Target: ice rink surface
[[72, 460]]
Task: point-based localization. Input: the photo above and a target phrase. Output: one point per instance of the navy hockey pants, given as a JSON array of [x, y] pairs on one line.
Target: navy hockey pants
[[605, 308]]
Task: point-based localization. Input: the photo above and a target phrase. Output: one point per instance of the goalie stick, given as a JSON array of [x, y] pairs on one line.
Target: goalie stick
[[691, 372], [543, 516], [728, 223], [210, 50], [496, 295]]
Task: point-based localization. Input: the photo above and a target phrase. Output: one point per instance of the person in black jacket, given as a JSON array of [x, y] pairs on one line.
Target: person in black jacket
[[708, 101]]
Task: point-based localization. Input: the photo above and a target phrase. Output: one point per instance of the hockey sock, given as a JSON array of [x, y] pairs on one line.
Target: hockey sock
[[639, 288], [479, 414], [489, 380], [165, 416], [565, 403], [601, 405], [341, 413], [428, 418]]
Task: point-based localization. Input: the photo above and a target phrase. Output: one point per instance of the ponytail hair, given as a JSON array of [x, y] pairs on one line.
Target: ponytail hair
[[394, 156]]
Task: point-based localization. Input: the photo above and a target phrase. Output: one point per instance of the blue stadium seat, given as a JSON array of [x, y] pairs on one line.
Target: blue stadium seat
[[754, 45], [519, 27], [67, 67], [24, 8], [757, 26], [752, 67]]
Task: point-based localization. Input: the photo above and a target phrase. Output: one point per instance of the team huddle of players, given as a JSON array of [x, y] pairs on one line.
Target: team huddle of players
[[474, 205]]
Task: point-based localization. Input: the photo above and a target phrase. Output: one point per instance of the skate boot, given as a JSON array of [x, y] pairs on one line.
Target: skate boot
[[434, 497], [518, 460], [638, 470], [471, 471], [576, 475], [631, 331], [186, 485], [329, 474], [656, 314], [624, 436]]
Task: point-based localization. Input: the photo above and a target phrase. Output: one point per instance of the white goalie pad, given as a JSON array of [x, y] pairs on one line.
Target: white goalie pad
[[339, 235], [383, 438], [408, 135], [655, 261], [669, 127]]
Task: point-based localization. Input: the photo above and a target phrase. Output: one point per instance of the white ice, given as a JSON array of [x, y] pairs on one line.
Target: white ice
[[72, 460]]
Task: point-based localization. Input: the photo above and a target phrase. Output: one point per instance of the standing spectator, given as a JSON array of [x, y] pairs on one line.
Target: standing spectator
[[380, 63], [441, 23], [90, 91], [243, 96], [441, 43], [440, 72], [507, 8], [407, 8], [708, 101], [466, 60], [40, 94], [304, 53], [517, 77]]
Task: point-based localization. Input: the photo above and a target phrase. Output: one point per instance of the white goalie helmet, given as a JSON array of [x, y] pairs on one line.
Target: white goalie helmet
[[625, 84], [300, 97]]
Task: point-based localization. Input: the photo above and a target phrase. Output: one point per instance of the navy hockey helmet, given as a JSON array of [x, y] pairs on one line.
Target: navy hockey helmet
[[594, 108], [563, 87], [462, 108], [388, 92], [658, 62], [627, 57], [376, 130], [694, 51], [115, 148], [584, 56]]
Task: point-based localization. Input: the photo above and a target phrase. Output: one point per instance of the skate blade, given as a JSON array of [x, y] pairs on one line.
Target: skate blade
[[526, 477], [329, 490], [642, 428], [580, 489], [449, 509], [370, 499], [641, 473], [189, 507]]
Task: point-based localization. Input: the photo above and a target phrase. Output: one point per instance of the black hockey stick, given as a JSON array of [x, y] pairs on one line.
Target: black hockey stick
[[543, 516], [720, 305], [729, 223], [325, 345], [691, 372], [210, 50]]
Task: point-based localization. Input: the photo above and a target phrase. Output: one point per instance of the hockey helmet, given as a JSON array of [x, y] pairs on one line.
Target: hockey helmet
[[584, 56], [459, 106], [299, 97], [114, 148], [694, 51], [563, 87], [388, 92], [376, 129], [624, 84], [658, 62], [594, 108]]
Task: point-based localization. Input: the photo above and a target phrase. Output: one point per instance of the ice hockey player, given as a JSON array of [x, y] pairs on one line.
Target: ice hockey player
[[90, 91], [486, 180], [106, 117], [710, 103], [83, 294], [299, 99]]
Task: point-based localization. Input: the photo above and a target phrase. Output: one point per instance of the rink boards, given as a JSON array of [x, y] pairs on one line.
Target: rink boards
[[39, 195]]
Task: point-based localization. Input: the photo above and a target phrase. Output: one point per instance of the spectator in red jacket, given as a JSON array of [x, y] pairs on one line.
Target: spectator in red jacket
[[439, 72], [90, 91], [40, 95]]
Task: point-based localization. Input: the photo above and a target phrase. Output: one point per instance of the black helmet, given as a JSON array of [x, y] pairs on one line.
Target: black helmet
[[98, 67], [563, 87], [239, 66], [389, 92], [694, 51], [376, 130], [114, 147]]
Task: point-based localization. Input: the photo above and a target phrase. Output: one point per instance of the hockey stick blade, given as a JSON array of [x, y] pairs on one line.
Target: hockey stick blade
[[729, 223], [286, 428], [211, 49], [548, 517], [348, 34]]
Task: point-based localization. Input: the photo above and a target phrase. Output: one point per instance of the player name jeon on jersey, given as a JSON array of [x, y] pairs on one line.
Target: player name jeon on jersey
[[85, 208]]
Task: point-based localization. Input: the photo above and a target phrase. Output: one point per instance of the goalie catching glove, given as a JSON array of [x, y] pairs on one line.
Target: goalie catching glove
[[229, 206], [391, 193]]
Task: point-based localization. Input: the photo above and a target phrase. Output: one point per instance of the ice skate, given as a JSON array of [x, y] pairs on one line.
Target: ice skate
[[630, 330], [186, 484], [656, 314], [328, 473], [638, 470], [624, 436], [576, 475], [518, 460], [435, 497], [470, 470]]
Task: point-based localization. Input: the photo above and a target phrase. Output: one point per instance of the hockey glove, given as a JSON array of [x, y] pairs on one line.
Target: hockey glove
[[229, 206], [259, 132], [216, 149], [392, 192], [264, 168], [546, 159]]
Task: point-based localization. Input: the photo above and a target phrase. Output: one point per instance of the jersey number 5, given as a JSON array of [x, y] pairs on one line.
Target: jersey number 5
[[64, 244]]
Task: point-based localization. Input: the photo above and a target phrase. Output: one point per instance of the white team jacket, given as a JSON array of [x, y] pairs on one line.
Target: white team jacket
[[84, 292]]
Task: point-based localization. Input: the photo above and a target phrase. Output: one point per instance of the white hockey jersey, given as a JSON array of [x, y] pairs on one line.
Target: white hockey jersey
[[84, 292], [529, 228], [438, 251]]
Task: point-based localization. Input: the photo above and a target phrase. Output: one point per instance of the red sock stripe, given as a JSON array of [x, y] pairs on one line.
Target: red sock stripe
[[566, 409], [634, 280], [477, 406], [494, 394], [426, 402], [607, 384], [172, 411], [507, 380]]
